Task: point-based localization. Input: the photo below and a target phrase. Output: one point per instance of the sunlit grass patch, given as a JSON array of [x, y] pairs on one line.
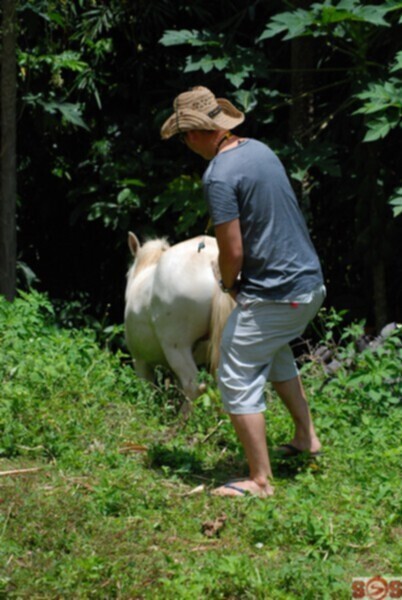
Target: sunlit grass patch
[[115, 502]]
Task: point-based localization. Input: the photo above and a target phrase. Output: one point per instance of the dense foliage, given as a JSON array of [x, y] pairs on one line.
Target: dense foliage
[[321, 83], [114, 508]]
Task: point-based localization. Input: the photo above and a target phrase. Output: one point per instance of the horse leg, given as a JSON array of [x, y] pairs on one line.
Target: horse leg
[[200, 352], [143, 370], [181, 361]]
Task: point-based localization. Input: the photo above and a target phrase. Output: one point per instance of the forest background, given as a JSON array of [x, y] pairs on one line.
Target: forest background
[[89, 83], [104, 490]]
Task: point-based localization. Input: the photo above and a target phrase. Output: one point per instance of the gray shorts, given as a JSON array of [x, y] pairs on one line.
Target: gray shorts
[[255, 349]]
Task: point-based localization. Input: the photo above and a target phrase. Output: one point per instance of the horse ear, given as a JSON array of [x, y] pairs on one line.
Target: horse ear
[[133, 243]]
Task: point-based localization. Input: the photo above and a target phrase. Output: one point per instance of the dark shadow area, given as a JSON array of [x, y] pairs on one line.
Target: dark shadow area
[[189, 465]]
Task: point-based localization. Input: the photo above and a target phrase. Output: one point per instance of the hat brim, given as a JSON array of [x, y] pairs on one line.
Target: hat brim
[[187, 119]]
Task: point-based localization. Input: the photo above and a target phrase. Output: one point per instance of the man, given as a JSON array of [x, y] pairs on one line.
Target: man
[[268, 264]]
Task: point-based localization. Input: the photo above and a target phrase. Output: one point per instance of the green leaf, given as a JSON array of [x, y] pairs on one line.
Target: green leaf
[[322, 156], [246, 99], [398, 63], [172, 37], [183, 196], [373, 14], [128, 198], [396, 202], [236, 79], [332, 14], [377, 129], [56, 18], [383, 99], [69, 60], [294, 23], [135, 182], [29, 276], [206, 64], [316, 20], [71, 112], [221, 63], [380, 127], [352, 10], [393, 4], [193, 37]]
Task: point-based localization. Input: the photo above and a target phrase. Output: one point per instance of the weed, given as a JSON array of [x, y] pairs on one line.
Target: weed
[[112, 509]]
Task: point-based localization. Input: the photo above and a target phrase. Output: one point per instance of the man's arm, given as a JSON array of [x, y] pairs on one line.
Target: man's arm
[[230, 243]]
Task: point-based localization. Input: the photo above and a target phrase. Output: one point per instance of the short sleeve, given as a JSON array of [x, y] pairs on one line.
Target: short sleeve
[[222, 202]]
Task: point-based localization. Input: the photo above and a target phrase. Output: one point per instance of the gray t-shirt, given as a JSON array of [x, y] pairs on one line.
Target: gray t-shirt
[[249, 183]]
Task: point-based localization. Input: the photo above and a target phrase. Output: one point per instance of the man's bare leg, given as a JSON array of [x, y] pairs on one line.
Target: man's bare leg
[[250, 430], [293, 396]]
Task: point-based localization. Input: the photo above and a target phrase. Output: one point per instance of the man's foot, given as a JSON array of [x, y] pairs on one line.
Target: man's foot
[[242, 488], [290, 450]]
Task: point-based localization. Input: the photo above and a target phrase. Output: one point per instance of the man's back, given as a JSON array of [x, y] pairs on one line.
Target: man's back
[[249, 182]]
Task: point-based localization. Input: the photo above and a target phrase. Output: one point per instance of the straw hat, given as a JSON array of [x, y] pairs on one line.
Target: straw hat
[[199, 109]]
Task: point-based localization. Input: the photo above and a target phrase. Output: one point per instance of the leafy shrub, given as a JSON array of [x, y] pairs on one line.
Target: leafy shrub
[[129, 524], [56, 384]]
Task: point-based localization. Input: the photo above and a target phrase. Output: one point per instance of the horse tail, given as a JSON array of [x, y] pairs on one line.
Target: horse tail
[[222, 306]]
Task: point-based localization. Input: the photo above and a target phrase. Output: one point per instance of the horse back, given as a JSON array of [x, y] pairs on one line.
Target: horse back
[[183, 289], [185, 270]]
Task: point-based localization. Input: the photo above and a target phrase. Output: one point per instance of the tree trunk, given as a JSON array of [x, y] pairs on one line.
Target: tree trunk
[[302, 107], [371, 213], [379, 293], [378, 241], [8, 178]]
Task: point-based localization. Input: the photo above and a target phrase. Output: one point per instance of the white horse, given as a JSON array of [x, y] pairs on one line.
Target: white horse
[[175, 311]]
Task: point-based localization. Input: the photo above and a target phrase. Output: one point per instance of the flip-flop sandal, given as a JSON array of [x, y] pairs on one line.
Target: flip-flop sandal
[[231, 486], [290, 451], [242, 491]]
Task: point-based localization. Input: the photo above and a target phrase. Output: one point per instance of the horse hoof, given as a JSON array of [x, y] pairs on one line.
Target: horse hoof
[[185, 409]]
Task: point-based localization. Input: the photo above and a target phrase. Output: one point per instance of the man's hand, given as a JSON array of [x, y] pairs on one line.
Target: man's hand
[[230, 243]]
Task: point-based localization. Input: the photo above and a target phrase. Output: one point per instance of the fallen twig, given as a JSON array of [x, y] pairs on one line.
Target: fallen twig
[[196, 490], [211, 433], [365, 547], [132, 447], [20, 471], [205, 548]]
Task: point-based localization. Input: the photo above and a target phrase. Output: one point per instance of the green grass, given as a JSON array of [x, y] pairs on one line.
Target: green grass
[[99, 520]]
